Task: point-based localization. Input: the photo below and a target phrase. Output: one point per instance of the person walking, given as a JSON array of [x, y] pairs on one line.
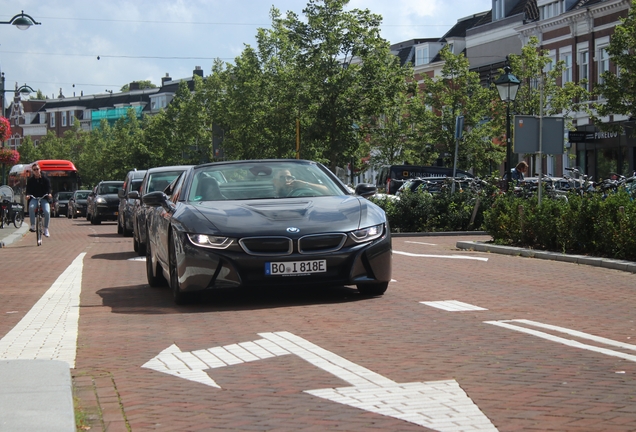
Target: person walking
[[39, 185]]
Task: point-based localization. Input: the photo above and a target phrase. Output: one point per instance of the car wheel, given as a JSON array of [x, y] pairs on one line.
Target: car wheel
[[74, 215], [119, 229], [95, 220], [154, 275], [179, 296], [126, 231], [135, 244], [372, 289]]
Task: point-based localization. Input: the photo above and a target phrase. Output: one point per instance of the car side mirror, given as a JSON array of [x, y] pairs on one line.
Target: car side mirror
[[154, 199], [133, 195], [121, 193], [366, 190]]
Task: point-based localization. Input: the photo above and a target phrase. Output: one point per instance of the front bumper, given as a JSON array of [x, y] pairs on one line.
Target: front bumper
[[201, 268]]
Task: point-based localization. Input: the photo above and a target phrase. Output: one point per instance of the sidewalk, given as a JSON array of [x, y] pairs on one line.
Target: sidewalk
[[34, 394]]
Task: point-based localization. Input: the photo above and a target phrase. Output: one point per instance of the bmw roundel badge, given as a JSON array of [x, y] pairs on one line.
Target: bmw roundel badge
[[293, 230]]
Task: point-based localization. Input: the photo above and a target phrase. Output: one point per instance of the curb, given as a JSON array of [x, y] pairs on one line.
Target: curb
[[627, 266]]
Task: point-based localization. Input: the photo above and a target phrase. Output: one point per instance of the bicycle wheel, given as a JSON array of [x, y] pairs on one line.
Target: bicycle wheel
[[3, 220], [18, 218], [39, 228]]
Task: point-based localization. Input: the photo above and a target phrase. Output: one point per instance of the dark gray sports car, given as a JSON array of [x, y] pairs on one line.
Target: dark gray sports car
[[265, 223]]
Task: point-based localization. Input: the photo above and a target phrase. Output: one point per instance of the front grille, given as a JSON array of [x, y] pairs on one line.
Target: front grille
[[267, 246], [321, 243]]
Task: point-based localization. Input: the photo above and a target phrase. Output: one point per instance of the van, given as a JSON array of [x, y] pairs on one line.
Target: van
[[132, 182], [391, 177]]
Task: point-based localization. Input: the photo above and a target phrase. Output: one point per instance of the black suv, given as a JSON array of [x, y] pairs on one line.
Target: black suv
[[105, 202], [126, 204]]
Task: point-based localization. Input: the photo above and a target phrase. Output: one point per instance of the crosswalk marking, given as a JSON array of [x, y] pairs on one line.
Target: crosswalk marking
[[461, 257]]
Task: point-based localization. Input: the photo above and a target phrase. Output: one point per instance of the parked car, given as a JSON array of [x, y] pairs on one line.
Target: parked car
[[59, 206], [105, 201], [245, 232], [155, 179], [132, 182], [89, 203], [77, 204]]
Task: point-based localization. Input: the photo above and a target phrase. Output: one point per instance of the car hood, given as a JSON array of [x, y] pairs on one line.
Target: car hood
[[110, 198], [274, 217]]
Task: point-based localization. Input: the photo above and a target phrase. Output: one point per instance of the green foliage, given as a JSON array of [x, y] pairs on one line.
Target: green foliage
[[457, 92], [421, 211], [618, 90], [143, 84], [597, 225]]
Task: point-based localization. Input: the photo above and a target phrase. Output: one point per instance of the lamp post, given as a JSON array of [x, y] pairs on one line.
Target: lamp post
[[22, 21], [507, 86]]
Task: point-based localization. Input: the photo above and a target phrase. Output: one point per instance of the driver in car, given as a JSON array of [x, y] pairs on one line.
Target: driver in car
[[285, 184]]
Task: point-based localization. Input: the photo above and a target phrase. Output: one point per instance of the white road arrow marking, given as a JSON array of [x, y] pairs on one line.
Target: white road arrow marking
[[439, 405]]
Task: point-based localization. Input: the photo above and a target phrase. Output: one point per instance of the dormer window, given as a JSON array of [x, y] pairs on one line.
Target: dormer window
[[421, 55], [550, 10], [498, 10]]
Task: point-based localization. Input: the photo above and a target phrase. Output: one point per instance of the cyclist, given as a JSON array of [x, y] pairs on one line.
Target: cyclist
[[39, 185]]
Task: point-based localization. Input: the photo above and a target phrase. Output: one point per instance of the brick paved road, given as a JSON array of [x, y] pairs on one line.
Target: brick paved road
[[518, 380]]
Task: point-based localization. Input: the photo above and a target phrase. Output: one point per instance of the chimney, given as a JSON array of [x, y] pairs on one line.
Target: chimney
[[133, 86], [165, 79], [197, 71]]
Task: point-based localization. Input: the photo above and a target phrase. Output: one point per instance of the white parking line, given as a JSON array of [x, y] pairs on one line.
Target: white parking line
[[49, 330], [427, 244], [466, 257], [453, 306], [509, 324]]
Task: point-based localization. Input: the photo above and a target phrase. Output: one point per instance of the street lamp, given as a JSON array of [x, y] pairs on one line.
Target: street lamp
[[22, 21], [507, 86]]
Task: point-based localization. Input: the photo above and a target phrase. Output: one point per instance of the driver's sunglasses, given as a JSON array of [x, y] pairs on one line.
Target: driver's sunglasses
[[288, 178], [36, 169]]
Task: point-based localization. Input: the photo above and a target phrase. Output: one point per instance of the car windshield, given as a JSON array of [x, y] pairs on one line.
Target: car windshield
[[136, 184], [160, 180], [261, 180], [81, 195], [64, 195], [106, 189]]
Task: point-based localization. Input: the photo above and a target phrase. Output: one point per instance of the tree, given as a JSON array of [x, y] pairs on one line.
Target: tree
[[457, 91], [28, 151], [143, 84], [617, 90], [348, 71]]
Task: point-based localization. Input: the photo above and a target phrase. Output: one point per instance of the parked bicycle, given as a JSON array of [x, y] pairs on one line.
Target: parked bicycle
[[11, 213]]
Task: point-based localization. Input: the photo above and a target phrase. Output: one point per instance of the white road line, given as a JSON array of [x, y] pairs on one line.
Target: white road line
[[422, 243], [49, 330], [568, 342], [466, 257], [453, 306]]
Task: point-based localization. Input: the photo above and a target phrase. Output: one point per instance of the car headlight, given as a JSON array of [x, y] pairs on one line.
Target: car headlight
[[213, 242], [100, 200], [367, 234]]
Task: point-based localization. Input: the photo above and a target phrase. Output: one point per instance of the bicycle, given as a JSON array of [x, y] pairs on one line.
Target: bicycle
[[39, 219]]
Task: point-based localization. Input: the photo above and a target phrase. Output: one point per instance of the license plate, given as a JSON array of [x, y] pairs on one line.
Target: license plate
[[295, 267]]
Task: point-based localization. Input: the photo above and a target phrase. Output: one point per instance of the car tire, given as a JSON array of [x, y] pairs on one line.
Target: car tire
[[154, 280], [179, 297], [95, 220], [119, 229], [372, 289], [135, 244]]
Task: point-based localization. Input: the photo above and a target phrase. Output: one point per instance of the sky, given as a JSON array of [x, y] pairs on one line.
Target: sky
[[95, 46]]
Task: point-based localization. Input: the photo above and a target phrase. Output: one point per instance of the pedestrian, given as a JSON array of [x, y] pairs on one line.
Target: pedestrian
[[518, 172]]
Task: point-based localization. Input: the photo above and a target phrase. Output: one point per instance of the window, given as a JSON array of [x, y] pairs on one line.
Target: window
[[52, 119], [584, 68], [63, 118], [498, 10], [421, 55], [603, 63], [71, 118], [567, 68], [550, 10]]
